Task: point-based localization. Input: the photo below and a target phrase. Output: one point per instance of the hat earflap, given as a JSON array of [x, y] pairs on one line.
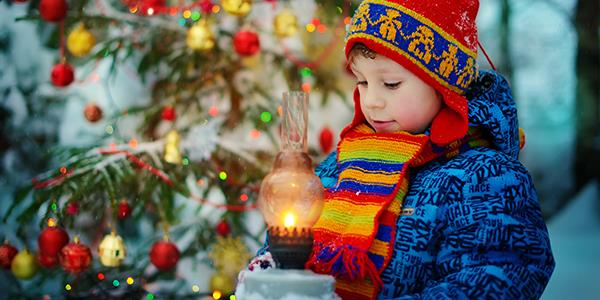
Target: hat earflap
[[449, 124]]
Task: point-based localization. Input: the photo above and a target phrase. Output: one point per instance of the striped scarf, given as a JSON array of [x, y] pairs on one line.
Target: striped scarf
[[354, 236]]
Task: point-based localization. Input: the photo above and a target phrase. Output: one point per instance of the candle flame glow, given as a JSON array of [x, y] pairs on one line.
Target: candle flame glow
[[289, 220]]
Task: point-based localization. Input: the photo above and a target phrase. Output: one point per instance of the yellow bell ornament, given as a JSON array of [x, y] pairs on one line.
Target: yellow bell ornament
[[200, 37], [238, 8], [285, 24], [222, 283], [112, 250], [80, 41], [172, 153]]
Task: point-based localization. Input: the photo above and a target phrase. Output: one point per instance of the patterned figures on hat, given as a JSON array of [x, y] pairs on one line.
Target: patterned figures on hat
[[402, 30], [75, 257], [23, 265], [112, 250]]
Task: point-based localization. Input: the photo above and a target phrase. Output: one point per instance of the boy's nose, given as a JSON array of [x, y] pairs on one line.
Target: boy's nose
[[373, 100]]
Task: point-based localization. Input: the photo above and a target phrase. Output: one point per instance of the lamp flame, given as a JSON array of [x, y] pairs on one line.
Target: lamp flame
[[289, 220]]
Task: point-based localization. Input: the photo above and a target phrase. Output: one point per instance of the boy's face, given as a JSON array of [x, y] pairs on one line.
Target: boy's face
[[392, 98]]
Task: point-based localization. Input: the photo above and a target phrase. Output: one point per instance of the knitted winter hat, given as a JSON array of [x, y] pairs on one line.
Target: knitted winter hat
[[436, 40]]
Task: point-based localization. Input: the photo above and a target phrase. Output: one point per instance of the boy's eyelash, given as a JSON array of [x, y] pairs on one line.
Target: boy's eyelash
[[386, 84], [393, 84]]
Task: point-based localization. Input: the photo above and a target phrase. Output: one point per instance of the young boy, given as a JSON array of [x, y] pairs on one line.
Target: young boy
[[426, 198]]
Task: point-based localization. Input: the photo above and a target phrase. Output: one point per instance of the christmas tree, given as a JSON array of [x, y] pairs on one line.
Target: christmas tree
[[164, 186]]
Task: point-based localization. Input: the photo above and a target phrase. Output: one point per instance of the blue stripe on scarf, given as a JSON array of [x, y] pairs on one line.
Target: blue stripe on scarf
[[364, 188], [372, 165]]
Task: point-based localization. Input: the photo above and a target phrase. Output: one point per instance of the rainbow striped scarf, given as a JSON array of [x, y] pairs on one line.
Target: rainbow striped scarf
[[354, 236]]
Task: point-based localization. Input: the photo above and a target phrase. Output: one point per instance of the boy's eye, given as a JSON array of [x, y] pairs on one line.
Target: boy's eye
[[364, 82], [392, 85]]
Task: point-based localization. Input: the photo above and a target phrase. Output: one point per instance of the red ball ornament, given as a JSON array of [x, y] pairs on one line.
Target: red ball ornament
[[72, 208], [7, 253], [53, 10], [164, 255], [75, 257], [326, 140], [47, 261], [124, 209], [150, 7], [51, 240], [92, 112], [168, 113], [62, 75], [223, 228], [206, 6], [246, 43]]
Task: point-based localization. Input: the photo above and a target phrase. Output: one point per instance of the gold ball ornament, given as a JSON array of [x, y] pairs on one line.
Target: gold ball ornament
[[222, 283], [80, 41], [200, 37], [172, 153], [112, 250], [238, 8], [285, 24], [251, 62], [24, 265], [229, 255]]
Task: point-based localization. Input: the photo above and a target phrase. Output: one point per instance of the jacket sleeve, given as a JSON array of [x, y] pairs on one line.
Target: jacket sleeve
[[493, 242], [327, 170]]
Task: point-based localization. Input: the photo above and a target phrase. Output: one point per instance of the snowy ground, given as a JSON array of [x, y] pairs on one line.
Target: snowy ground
[[575, 238]]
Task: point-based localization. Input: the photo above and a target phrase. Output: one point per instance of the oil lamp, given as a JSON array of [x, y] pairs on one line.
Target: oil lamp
[[291, 195]]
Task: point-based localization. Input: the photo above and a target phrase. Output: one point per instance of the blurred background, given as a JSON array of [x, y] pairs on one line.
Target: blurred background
[[156, 120]]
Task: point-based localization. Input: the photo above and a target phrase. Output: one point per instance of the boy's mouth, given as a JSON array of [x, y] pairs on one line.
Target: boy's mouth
[[382, 125]]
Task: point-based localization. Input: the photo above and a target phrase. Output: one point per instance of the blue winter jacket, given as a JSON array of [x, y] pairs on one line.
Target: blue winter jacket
[[471, 226]]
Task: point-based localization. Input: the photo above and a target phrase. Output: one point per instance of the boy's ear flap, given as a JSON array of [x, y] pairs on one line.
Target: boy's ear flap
[[452, 121]]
